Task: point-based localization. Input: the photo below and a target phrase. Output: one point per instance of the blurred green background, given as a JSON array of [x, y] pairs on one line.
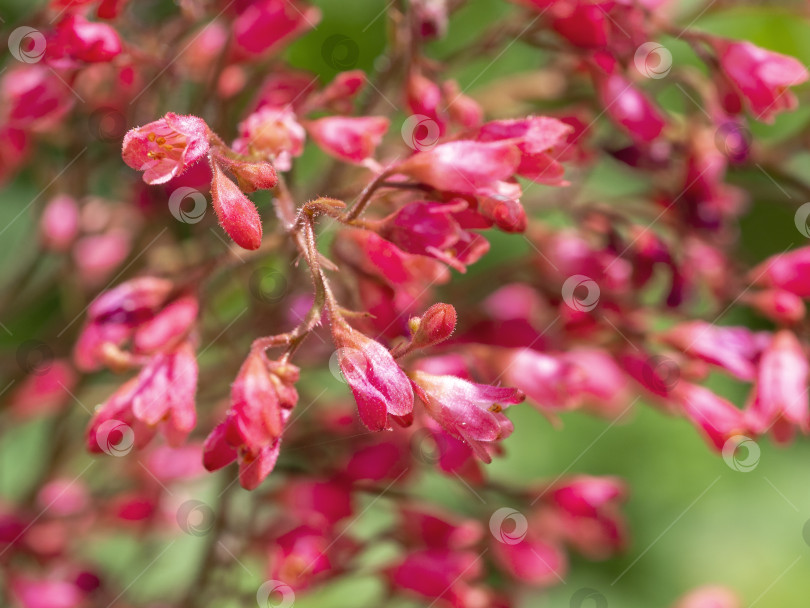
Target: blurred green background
[[693, 520]]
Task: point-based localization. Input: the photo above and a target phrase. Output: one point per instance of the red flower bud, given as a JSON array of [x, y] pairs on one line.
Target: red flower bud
[[236, 213], [436, 325]]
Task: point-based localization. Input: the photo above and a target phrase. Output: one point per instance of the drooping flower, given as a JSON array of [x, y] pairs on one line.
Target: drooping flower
[[789, 271], [378, 384], [761, 76], [469, 411], [262, 398], [353, 139], [267, 24], [716, 418], [166, 147]]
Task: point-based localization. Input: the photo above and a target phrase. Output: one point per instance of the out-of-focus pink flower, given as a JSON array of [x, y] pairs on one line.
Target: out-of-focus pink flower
[[262, 397], [437, 574], [97, 255], [59, 224], [734, 349], [589, 515], [46, 593], [162, 395], [439, 531], [789, 271], [168, 326], [266, 24], [596, 381], [714, 416], [304, 555], [236, 213], [543, 377], [338, 96], [271, 133], [378, 384], [710, 596], [472, 412], [167, 463], [762, 77], [424, 97], [780, 395], [629, 108], [387, 459], [32, 97], [463, 166], [353, 139], [778, 305], [534, 560], [429, 228], [46, 391], [536, 137], [166, 147], [463, 110], [82, 40], [203, 48], [63, 497], [320, 504], [431, 17]]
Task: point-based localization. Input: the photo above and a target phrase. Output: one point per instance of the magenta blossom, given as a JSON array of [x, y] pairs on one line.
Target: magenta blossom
[[166, 147]]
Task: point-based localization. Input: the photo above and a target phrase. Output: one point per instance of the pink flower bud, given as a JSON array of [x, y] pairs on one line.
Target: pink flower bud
[[778, 305], [462, 109], [468, 411], [83, 40], [264, 25], [59, 224], [236, 213], [34, 98], [339, 94], [378, 384], [132, 301], [166, 147], [251, 176], [781, 389], [762, 77], [629, 107], [533, 560], [715, 417], [436, 325], [168, 326], [437, 574], [348, 138], [789, 271]]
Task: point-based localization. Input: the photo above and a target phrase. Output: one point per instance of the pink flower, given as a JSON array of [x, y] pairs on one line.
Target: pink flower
[[162, 395], [534, 560], [166, 147], [262, 397], [339, 95], [778, 305], [788, 271], [82, 40], [629, 108], [271, 133], [780, 396], [543, 377], [44, 392], [431, 229], [437, 574], [468, 411], [44, 593], [434, 326], [237, 215], [715, 417], [735, 349], [762, 77], [348, 138], [467, 167], [266, 24], [59, 224], [33, 97], [303, 555], [378, 384]]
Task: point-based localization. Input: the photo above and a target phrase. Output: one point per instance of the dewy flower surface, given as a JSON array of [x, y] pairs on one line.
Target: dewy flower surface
[[412, 304]]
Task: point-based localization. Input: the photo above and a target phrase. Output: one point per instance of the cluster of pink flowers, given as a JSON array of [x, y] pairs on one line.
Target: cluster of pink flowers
[[598, 315]]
